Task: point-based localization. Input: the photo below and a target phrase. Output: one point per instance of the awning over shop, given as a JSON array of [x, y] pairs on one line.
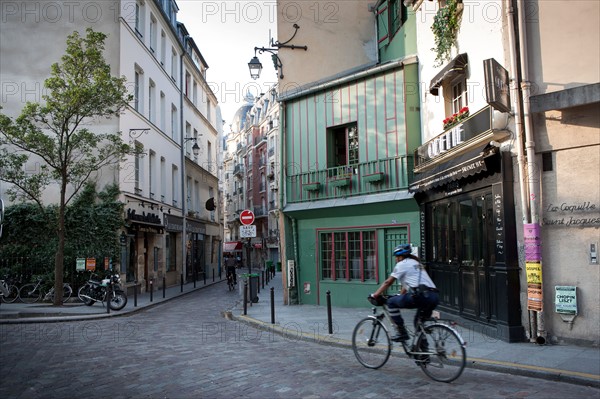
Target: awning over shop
[[232, 246], [458, 66], [467, 164]]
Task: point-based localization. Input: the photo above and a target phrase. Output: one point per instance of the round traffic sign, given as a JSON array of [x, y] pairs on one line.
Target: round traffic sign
[[247, 217]]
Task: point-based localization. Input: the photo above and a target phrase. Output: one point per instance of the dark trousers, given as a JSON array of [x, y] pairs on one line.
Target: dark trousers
[[425, 302]]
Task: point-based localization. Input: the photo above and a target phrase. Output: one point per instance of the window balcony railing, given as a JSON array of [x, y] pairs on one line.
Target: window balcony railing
[[390, 174]]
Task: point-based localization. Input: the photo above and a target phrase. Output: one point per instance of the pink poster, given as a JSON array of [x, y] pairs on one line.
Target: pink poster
[[533, 242]]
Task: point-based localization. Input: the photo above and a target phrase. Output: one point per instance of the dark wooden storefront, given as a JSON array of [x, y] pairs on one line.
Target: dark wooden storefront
[[468, 239]]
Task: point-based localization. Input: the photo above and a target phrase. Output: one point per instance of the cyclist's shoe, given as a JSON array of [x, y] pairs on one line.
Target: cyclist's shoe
[[401, 334]]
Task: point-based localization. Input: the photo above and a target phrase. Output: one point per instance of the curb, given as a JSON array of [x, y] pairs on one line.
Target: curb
[[545, 373]]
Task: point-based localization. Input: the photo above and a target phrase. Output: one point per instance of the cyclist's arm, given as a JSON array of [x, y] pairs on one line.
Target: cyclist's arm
[[384, 286]]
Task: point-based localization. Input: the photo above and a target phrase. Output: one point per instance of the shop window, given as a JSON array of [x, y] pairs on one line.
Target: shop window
[[349, 256], [443, 232], [171, 246], [343, 145]]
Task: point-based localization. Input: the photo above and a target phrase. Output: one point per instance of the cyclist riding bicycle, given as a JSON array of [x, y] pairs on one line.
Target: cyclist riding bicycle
[[230, 268], [418, 290]]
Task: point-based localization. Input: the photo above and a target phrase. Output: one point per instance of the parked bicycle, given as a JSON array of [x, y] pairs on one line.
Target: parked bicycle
[[32, 292], [9, 292], [437, 348]]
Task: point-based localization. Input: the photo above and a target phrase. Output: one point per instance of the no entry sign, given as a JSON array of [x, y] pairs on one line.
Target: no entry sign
[[247, 217]]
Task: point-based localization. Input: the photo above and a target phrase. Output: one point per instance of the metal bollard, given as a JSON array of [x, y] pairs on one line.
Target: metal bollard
[[108, 295], [204, 274], [245, 298], [272, 305], [181, 282], [164, 287], [262, 279], [135, 288], [151, 291], [329, 322], [213, 270]]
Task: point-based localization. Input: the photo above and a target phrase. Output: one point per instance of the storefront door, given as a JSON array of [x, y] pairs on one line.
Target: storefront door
[[462, 252]]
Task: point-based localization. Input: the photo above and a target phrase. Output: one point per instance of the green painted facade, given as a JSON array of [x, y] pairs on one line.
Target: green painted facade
[[342, 219], [385, 108]]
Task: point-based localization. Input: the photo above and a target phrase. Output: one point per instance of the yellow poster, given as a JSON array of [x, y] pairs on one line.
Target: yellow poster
[[534, 272]]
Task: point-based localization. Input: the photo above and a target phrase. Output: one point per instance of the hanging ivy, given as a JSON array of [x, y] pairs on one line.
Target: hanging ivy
[[446, 24]]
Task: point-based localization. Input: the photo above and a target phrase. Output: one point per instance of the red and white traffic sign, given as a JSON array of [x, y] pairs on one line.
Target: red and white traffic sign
[[247, 217]]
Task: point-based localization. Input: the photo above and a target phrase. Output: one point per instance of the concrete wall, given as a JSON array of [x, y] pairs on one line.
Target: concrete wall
[[340, 35]]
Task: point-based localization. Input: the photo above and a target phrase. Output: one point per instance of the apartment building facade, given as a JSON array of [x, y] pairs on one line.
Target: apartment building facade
[[169, 232], [251, 168]]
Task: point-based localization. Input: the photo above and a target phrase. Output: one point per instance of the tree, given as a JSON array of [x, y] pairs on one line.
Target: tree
[[80, 90]]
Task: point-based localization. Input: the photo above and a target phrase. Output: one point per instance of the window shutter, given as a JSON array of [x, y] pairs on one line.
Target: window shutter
[[383, 33]]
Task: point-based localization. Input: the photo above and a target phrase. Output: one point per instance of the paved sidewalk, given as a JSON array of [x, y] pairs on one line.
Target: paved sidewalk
[[568, 363], [74, 310]]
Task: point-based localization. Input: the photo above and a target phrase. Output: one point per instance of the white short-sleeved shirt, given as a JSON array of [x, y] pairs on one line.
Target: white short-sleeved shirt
[[407, 272]]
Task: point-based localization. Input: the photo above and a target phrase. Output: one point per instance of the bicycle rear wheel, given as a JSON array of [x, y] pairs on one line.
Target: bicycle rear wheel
[[30, 293], [371, 343], [13, 294], [444, 355]]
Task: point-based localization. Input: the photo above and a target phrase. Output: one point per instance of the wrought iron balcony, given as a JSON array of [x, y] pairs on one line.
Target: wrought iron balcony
[[390, 174]]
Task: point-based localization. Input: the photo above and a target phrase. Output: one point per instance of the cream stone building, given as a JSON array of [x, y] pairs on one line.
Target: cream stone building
[[172, 232]]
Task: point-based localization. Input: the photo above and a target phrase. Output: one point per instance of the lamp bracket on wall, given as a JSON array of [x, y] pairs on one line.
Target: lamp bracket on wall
[[255, 65]]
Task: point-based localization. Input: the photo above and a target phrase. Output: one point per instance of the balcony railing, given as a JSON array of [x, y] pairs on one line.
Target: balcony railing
[[390, 174]]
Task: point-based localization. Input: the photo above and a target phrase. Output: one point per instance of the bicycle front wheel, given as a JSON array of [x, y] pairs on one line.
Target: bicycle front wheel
[[371, 343], [443, 355], [13, 294], [67, 292], [29, 293]]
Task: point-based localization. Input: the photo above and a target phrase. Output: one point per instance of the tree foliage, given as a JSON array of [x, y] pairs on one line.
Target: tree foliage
[[92, 222], [79, 92]]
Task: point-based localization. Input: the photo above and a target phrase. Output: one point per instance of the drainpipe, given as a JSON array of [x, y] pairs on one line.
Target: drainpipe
[[282, 241], [515, 95], [183, 173], [534, 178]]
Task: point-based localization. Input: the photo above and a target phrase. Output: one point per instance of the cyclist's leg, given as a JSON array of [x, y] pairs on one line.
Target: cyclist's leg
[[428, 302], [394, 304]]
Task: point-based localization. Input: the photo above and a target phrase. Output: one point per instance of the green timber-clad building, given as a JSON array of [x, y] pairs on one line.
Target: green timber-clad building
[[347, 147]]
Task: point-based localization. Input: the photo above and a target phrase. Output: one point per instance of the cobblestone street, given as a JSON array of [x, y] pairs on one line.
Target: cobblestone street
[[185, 348]]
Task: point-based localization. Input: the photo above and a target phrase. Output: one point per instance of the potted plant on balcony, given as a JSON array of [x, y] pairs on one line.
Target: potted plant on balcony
[[312, 186], [374, 178], [456, 118]]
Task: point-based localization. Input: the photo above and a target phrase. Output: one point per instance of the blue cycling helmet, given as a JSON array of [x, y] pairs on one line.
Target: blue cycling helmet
[[402, 250]]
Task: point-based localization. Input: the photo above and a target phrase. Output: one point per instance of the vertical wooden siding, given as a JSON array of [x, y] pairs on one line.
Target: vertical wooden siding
[[377, 106]]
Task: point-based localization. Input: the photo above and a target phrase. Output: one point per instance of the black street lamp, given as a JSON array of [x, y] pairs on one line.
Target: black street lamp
[[255, 66]]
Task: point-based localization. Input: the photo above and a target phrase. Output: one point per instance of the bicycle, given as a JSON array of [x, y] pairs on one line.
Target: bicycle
[[9, 292], [437, 348], [32, 292], [230, 282]]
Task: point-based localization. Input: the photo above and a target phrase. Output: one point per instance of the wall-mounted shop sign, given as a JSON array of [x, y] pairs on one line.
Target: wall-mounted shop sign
[[581, 214], [173, 223], [497, 88], [565, 299], [480, 122]]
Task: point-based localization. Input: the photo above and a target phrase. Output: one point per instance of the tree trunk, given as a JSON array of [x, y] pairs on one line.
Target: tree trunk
[[60, 251]]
